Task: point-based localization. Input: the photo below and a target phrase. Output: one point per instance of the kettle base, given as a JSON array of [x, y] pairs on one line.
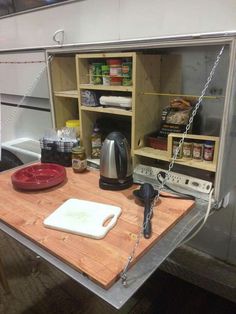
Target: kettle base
[[115, 184]]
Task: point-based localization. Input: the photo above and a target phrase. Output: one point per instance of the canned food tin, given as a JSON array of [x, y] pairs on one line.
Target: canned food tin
[[97, 73], [127, 73]]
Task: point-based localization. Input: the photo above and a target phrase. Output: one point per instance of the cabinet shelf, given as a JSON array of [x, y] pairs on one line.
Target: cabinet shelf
[[164, 155], [67, 93], [116, 111], [114, 88]]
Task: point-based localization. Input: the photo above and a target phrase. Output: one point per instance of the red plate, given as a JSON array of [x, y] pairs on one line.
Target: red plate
[[39, 176]]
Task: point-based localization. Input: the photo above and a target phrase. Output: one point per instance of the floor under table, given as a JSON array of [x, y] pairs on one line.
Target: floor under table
[[39, 288]]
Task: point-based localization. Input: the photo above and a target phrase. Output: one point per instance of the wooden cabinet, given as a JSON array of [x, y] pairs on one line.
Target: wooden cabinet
[[155, 78]]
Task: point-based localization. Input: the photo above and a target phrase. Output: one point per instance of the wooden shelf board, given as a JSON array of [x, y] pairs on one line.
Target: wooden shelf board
[[196, 137], [204, 165], [163, 155], [117, 111], [152, 153], [107, 87], [106, 55], [67, 93]]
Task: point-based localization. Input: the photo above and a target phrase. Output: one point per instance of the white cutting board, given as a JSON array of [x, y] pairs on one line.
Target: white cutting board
[[84, 218]]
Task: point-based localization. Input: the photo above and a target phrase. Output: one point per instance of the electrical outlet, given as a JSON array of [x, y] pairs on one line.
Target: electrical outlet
[[176, 179]]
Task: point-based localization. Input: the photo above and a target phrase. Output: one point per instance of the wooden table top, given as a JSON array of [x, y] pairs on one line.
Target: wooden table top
[[101, 260]]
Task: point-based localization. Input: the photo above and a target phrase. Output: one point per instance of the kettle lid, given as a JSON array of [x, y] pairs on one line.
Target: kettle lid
[[115, 136]]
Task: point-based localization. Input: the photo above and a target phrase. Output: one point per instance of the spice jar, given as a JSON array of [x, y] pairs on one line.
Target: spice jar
[[208, 151], [175, 147], [187, 149], [79, 161], [197, 150]]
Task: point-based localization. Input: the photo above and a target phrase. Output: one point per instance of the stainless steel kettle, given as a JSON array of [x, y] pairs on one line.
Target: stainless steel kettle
[[115, 163]]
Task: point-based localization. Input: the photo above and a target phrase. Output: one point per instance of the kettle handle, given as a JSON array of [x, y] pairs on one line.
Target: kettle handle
[[121, 159]]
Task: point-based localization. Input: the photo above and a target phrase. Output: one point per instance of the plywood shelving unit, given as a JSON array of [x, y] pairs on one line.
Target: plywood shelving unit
[[152, 76], [143, 116]]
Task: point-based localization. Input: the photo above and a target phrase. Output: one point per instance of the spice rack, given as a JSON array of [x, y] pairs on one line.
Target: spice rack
[[202, 164], [166, 155]]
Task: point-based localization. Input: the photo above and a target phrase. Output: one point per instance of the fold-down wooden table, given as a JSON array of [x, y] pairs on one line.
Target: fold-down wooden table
[[94, 263]]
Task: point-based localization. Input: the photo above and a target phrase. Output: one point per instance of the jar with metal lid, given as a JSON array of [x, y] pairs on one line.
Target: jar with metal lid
[[79, 161], [187, 149], [197, 150], [208, 153], [175, 147]]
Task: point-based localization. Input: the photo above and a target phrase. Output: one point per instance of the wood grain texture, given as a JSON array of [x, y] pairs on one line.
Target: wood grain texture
[[101, 260]]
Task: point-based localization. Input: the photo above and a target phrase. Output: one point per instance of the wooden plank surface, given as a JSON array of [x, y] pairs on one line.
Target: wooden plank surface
[[101, 260]]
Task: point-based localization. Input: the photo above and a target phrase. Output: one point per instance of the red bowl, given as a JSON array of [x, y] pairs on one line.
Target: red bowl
[[38, 176]]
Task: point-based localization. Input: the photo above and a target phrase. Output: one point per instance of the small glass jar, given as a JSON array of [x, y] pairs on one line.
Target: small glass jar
[[79, 161], [174, 149], [187, 149], [197, 151], [208, 151]]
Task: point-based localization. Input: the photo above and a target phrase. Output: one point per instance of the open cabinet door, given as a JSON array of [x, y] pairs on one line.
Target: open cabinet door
[[225, 177]]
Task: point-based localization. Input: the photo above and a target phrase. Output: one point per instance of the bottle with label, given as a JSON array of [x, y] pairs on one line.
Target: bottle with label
[[96, 142]]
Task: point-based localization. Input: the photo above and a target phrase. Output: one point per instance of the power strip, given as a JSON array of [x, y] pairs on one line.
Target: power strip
[[190, 183]]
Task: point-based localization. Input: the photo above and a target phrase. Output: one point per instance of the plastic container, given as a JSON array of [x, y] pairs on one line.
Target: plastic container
[[79, 161], [75, 124], [208, 152], [115, 71], [96, 143]]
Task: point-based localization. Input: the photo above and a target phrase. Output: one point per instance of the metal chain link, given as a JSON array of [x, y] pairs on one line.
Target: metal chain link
[[171, 165]]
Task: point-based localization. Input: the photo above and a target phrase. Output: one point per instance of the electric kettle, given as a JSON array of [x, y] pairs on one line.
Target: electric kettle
[[115, 163]]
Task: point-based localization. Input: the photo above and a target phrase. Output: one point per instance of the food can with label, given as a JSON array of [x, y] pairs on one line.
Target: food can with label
[[127, 73], [97, 73], [115, 71]]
